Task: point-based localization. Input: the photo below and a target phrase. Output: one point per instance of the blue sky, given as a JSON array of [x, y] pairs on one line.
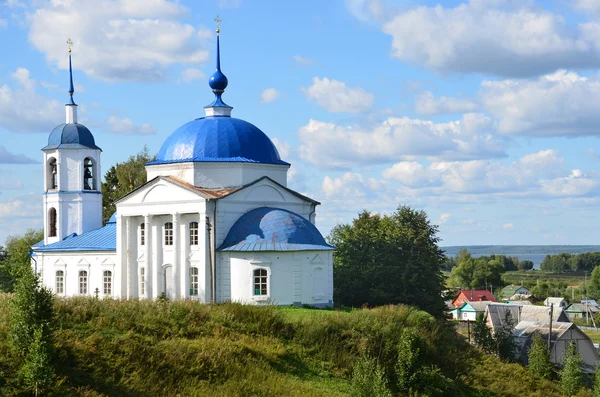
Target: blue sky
[[484, 113]]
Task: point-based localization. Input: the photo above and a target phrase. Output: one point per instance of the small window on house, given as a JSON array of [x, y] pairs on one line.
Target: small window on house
[[260, 282], [52, 222], [60, 282], [83, 282], [168, 233], [193, 233], [53, 169], [107, 282], [142, 281], [88, 174], [142, 234], [193, 281]]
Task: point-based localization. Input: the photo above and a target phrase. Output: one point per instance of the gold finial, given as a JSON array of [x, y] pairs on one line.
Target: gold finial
[[69, 43], [218, 22]]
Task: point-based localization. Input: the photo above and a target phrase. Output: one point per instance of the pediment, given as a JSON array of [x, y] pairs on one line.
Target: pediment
[[317, 260], [266, 190], [161, 190], [107, 262], [83, 262], [59, 262], [260, 260]]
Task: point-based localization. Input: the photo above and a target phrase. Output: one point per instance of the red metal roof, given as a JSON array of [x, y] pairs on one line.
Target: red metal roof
[[475, 295]]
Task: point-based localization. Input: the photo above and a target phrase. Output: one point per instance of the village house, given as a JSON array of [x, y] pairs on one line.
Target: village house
[[580, 310], [469, 311], [468, 295], [557, 302], [514, 290]]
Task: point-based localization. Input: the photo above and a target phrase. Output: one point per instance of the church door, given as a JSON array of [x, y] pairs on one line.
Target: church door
[[168, 277]]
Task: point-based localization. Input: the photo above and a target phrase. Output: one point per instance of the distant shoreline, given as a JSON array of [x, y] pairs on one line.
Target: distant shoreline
[[521, 249]]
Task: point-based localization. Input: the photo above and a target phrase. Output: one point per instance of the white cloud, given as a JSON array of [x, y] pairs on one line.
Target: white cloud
[[127, 127], [284, 148], [3, 23], [190, 74], [427, 104], [508, 226], [22, 109], [592, 6], [118, 40], [543, 174], [444, 218], [334, 96], [560, 103], [351, 185], [269, 95], [329, 145], [302, 60], [505, 38], [366, 10], [7, 157]]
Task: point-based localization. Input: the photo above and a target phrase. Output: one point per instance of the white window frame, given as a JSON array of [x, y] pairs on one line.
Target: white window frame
[[62, 282], [86, 282], [194, 281], [255, 264], [168, 234], [194, 233], [104, 282]]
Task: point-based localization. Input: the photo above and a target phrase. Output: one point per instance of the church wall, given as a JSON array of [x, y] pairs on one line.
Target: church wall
[[94, 263], [294, 278]]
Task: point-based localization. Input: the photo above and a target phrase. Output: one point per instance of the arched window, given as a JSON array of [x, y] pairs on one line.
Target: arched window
[[142, 234], [107, 282], [142, 281], [193, 233], [60, 282], [88, 174], [260, 282], [168, 233], [193, 281], [52, 174], [52, 222], [83, 282]]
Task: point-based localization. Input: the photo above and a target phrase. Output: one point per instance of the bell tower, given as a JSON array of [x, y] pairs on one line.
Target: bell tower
[[72, 193]]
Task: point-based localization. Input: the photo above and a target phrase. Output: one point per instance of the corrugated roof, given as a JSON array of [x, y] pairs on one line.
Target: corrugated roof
[[103, 239], [581, 308]]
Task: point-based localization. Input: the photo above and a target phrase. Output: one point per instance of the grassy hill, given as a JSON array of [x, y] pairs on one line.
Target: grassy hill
[[139, 348]]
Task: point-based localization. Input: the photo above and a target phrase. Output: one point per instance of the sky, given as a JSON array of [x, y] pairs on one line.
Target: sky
[[483, 113]]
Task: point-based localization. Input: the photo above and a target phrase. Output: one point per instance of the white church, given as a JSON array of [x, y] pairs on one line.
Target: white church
[[215, 222]]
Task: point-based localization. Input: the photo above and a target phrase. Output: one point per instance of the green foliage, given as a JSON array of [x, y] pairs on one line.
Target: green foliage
[[571, 374], [122, 178], [596, 381], [15, 259], [414, 373], [476, 273], [31, 308], [37, 370], [539, 362], [369, 379], [482, 335], [505, 342], [566, 262], [383, 259]]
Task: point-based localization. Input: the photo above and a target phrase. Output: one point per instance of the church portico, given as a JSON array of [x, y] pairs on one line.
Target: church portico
[[215, 222]]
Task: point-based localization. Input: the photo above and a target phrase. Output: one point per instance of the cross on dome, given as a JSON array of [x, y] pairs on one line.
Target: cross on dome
[[218, 82], [71, 88]]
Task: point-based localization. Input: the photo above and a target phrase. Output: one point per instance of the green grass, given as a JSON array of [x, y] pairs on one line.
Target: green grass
[[141, 348]]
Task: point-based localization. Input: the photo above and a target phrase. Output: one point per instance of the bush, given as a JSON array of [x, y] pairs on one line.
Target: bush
[[368, 379]]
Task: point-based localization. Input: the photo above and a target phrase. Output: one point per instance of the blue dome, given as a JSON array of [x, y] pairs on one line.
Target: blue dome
[[273, 229], [71, 136], [218, 138]]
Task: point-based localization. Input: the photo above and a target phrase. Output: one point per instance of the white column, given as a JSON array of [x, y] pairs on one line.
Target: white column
[[184, 253], [128, 263], [158, 254], [122, 256], [148, 254], [176, 244]]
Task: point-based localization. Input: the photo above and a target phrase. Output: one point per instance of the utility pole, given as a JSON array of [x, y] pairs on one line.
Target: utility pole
[[550, 328], [469, 329]]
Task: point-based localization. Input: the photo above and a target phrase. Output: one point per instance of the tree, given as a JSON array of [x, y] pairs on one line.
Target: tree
[[482, 335], [369, 379], [389, 259], [504, 339], [596, 381], [32, 316], [476, 273], [539, 362], [571, 375], [122, 178], [16, 260], [593, 286]]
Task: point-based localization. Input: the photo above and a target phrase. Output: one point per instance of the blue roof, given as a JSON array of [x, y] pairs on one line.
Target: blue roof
[[273, 229], [71, 136], [103, 239], [218, 138]]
